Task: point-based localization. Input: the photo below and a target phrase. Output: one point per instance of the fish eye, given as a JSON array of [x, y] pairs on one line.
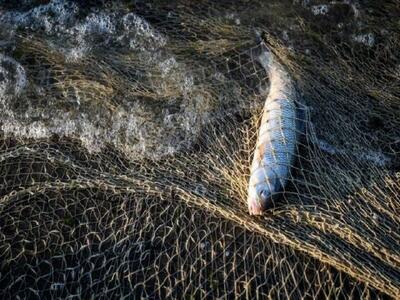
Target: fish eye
[[263, 195]]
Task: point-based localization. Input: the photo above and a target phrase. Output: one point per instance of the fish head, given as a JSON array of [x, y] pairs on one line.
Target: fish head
[[259, 198], [264, 187]]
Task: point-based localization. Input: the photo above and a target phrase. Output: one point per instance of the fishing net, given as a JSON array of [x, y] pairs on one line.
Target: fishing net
[[126, 135]]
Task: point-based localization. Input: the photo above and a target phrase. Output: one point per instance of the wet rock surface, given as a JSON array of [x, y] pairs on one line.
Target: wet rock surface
[[158, 110]]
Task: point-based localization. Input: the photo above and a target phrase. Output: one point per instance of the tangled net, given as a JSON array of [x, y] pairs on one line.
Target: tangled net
[[80, 219]]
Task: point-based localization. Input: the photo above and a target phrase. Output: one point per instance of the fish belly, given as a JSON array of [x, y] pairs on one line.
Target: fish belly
[[276, 143]]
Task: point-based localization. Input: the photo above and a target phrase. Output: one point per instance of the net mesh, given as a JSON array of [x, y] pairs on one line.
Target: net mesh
[[96, 204]]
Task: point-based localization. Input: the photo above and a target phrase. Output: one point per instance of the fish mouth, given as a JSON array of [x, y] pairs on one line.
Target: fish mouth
[[255, 208]]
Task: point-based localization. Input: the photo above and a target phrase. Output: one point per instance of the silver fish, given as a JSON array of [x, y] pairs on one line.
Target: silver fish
[[277, 139]]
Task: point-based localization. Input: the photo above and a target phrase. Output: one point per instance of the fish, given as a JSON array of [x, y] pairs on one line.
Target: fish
[[277, 138]]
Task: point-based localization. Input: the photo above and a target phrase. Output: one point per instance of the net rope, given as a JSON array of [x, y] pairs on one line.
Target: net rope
[[103, 210]]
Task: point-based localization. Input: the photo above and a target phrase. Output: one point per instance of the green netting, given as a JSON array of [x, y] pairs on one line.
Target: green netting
[[126, 136]]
